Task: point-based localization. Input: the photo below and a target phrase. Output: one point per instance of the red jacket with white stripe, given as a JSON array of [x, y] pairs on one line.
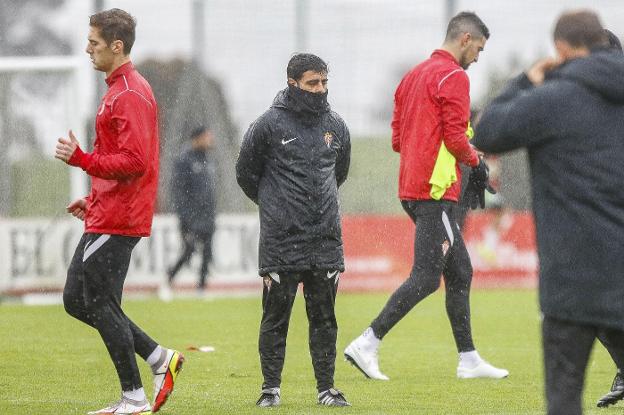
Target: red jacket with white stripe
[[124, 163], [432, 107]]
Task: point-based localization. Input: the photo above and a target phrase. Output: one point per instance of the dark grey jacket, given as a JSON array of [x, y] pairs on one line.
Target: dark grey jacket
[[573, 127], [193, 191], [291, 164]]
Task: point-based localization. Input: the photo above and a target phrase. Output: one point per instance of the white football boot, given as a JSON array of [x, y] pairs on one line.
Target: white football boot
[[125, 406], [362, 353], [482, 370]]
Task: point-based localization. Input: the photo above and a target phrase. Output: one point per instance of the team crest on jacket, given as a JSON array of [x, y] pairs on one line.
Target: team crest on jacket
[[328, 137]]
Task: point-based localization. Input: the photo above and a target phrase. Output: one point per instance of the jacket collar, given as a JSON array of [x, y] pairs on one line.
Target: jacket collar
[[444, 54], [122, 70]]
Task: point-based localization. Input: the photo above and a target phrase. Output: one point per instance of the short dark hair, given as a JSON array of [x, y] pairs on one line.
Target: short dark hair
[[115, 24], [466, 22], [198, 131], [614, 41], [580, 28], [303, 62]]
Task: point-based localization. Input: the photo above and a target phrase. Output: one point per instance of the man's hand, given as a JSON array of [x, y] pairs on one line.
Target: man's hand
[[480, 153], [537, 72], [478, 183], [480, 173], [78, 208], [65, 147]]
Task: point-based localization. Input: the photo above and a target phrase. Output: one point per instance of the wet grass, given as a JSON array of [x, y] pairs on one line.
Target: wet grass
[[51, 364], [372, 185]]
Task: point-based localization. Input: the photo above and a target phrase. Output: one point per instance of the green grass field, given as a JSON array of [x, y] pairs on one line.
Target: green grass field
[[374, 167], [52, 364]]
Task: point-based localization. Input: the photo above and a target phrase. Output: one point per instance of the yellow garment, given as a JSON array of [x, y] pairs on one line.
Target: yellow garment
[[444, 172]]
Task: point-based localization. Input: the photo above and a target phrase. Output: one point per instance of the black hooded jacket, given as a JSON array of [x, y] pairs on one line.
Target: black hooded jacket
[[291, 163], [573, 128], [193, 190]]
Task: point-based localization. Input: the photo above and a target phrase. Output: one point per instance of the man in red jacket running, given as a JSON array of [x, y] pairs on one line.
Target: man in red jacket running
[[118, 211], [430, 130]]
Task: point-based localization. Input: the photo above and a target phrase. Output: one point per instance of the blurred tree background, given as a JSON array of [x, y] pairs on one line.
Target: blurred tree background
[[191, 90], [188, 98], [30, 183]]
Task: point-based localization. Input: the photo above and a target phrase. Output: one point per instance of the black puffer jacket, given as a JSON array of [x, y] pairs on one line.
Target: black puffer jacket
[[291, 163], [193, 191], [573, 127]]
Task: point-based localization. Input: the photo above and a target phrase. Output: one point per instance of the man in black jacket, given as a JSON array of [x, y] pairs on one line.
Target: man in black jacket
[[569, 114], [193, 192], [617, 386], [291, 163]]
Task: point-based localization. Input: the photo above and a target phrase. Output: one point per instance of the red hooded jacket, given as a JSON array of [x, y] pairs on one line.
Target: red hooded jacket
[[432, 107], [124, 163]]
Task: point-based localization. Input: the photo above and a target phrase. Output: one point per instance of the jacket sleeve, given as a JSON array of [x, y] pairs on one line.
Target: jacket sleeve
[[516, 118], [131, 121], [344, 156], [396, 119], [454, 98], [252, 158]]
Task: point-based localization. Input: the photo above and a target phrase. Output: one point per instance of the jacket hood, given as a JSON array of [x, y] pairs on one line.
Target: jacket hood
[[281, 99], [602, 72]]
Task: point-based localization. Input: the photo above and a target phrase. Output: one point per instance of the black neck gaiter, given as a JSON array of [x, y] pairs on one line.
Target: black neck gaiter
[[307, 102]]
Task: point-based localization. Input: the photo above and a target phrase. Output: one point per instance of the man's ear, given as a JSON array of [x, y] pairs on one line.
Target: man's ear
[[292, 82], [465, 39], [117, 46]]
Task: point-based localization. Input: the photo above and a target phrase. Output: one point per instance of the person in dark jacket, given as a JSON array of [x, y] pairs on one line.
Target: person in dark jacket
[[193, 192], [568, 113], [616, 393], [292, 160]]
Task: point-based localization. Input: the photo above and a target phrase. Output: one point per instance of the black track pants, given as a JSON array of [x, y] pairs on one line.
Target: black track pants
[[438, 250], [93, 293], [613, 341], [567, 346], [191, 240], [319, 291]]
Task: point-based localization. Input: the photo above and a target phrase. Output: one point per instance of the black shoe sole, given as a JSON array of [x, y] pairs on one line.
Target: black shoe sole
[[352, 361], [334, 405], [607, 400], [273, 405]]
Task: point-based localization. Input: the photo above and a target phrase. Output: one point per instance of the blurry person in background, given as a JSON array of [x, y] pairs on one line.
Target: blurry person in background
[[568, 111], [617, 386], [292, 160], [118, 212], [193, 187], [430, 130]]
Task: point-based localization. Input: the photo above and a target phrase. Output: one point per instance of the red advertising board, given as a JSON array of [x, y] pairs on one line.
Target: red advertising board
[[378, 253], [379, 250]]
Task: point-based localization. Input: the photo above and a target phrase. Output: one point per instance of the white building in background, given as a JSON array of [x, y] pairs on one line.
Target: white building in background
[[368, 43]]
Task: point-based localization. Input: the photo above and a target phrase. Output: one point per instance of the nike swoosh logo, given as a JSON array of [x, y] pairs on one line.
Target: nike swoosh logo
[[331, 274], [284, 142]]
